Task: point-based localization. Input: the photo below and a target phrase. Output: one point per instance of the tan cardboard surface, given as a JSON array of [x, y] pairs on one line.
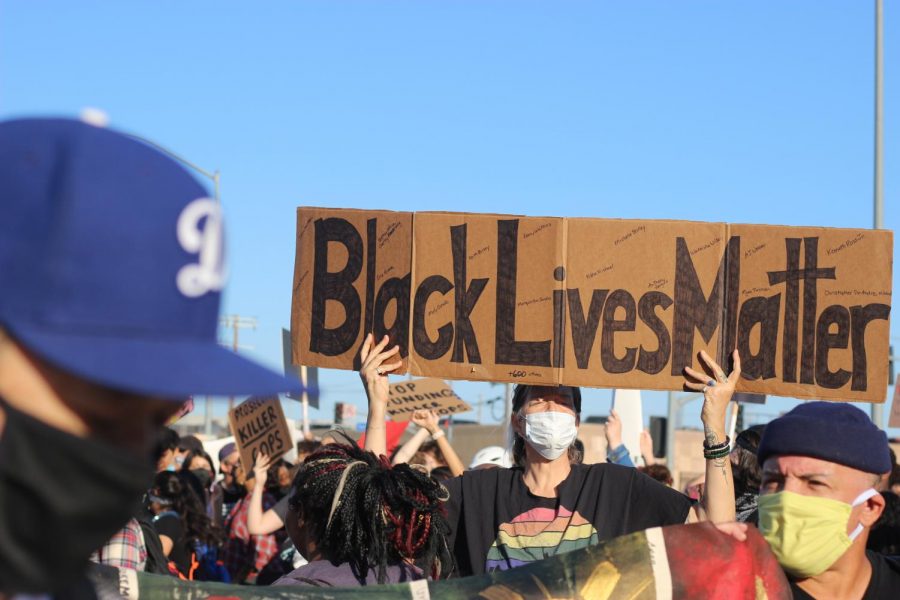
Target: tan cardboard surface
[[363, 283], [258, 425], [406, 397], [598, 302]]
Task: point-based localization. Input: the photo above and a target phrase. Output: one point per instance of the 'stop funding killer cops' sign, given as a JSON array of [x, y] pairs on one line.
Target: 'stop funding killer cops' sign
[[596, 302]]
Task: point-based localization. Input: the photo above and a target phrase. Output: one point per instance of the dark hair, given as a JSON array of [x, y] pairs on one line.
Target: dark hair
[[432, 448], [894, 477], [202, 492], [307, 447], [576, 454], [166, 439], [658, 472], [747, 471], [520, 394], [178, 489], [884, 537], [192, 444], [442, 473], [384, 516]]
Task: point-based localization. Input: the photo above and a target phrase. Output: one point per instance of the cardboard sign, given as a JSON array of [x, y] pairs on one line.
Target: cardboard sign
[[258, 425], [406, 397], [597, 302]]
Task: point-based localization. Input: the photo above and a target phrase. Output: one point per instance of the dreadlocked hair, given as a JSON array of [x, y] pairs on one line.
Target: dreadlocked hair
[[384, 515]]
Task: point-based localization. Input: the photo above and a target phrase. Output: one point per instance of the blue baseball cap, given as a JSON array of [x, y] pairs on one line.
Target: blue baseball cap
[[112, 263]]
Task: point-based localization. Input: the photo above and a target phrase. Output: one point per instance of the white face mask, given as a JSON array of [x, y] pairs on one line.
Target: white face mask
[[550, 433]]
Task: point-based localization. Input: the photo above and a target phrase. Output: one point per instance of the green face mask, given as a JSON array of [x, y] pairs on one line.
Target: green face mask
[[806, 533]]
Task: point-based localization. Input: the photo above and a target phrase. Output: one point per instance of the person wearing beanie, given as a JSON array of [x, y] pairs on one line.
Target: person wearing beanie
[[820, 465], [112, 266], [226, 492]]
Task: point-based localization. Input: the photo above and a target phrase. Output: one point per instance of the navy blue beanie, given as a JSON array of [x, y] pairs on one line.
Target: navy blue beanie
[[832, 431]]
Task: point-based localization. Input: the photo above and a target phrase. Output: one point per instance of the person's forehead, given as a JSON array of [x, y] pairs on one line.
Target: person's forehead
[[799, 465]]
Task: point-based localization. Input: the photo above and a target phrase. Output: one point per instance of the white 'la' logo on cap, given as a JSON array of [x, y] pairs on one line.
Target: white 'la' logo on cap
[[209, 272]]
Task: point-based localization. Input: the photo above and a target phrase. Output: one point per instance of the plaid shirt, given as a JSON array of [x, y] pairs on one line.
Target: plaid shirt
[[125, 549], [243, 552]]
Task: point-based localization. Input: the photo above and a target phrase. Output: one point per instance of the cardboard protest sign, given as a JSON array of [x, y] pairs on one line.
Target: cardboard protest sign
[[406, 397], [597, 302], [351, 276], [258, 425], [747, 398]]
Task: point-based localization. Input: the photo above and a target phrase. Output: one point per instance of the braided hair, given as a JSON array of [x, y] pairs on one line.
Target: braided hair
[[362, 511]]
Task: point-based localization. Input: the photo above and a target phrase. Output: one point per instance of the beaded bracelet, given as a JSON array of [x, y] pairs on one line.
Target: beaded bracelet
[[725, 444], [716, 454]]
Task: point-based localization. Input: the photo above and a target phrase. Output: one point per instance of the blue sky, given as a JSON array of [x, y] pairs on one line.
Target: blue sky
[[755, 112]]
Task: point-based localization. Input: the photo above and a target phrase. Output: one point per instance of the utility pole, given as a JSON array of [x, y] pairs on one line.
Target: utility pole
[[236, 323], [878, 409]]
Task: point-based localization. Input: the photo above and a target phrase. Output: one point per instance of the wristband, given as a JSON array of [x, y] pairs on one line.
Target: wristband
[[437, 435], [715, 454], [714, 447]]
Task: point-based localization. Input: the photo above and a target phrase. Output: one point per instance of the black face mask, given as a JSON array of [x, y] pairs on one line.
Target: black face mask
[[61, 498], [203, 476]]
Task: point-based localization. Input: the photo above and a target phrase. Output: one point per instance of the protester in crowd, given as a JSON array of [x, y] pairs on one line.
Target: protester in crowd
[[111, 267], [432, 454], [278, 480], [658, 472], [181, 522], [226, 492], [245, 554], [747, 474], [616, 452], [166, 449], [360, 521], [199, 464], [885, 535], [491, 457], [817, 501], [572, 506], [125, 549], [305, 448], [187, 443]]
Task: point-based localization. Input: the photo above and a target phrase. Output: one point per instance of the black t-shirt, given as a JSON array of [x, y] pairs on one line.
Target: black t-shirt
[[884, 584], [497, 523], [169, 524]]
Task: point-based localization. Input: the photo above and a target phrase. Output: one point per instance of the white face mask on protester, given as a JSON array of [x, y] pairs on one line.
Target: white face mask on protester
[[550, 433]]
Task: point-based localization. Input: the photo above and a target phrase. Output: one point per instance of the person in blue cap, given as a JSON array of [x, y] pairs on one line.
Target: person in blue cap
[[111, 269], [820, 465]]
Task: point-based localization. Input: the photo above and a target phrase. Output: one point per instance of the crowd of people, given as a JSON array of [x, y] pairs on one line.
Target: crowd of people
[[101, 341]]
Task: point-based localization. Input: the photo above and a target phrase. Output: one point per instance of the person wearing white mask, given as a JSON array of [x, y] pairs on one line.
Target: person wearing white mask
[[544, 505], [821, 462]]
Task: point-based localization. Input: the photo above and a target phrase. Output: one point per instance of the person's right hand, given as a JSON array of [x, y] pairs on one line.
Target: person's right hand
[[426, 419], [374, 372], [613, 430], [261, 470]]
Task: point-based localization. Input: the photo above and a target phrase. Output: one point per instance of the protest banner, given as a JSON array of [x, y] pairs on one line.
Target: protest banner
[[597, 302], [681, 561], [406, 397], [258, 425]]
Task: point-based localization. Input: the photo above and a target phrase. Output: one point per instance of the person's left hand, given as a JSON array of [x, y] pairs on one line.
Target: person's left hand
[[716, 387], [613, 430]]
